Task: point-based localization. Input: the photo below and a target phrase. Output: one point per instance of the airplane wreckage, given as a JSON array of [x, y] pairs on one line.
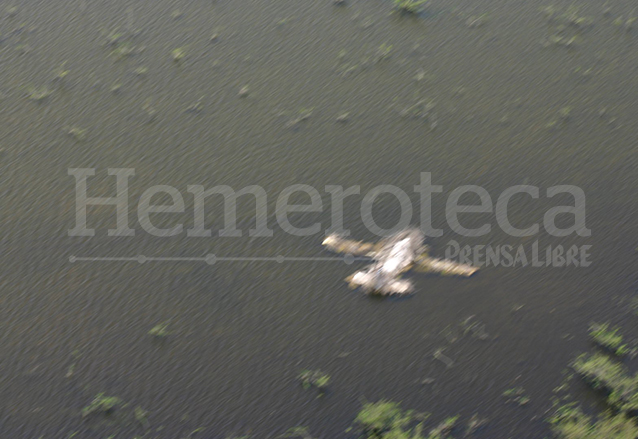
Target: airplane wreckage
[[391, 257]]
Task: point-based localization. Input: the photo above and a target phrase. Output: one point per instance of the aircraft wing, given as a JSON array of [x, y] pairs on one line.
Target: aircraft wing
[[338, 244], [445, 267]]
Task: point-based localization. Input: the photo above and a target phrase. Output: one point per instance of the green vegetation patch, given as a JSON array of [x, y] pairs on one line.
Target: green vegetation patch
[[102, 404], [409, 6], [610, 376], [299, 432], [159, 331], [38, 93], [314, 378], [386, 420], [517, 395], [608, 338], [377, 418], [569, 422]]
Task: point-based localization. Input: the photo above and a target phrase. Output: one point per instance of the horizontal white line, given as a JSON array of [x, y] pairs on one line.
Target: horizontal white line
[[212, 259]]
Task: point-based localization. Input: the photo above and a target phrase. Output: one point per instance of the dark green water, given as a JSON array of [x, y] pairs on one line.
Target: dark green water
[[242, 331]]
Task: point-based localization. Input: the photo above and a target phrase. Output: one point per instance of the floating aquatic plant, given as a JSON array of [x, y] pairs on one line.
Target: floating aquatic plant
[[608, 338], [569, 17], [297, 433], [603, 373], [517, 395], [386, 420], [150, 111], [141, 417], [113, 38], [77, 133], [60, 73], [409, 6], [243, 92], [378, 418], [120, 44], [159, 331], [102, 404], [141, 71], [178, 54], [383, 52], [442, 430], [314, 378], [565, 113], [569, 422], [38, 93], [123, 50]]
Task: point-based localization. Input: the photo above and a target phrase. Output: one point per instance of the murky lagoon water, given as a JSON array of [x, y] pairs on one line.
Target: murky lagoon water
[[242, 331]]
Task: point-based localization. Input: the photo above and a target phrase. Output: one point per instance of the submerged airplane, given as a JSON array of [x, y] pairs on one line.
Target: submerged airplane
[[391, 257]]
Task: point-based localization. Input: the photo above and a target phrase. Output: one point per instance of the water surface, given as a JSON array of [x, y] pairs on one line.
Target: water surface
[[242, 331]]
